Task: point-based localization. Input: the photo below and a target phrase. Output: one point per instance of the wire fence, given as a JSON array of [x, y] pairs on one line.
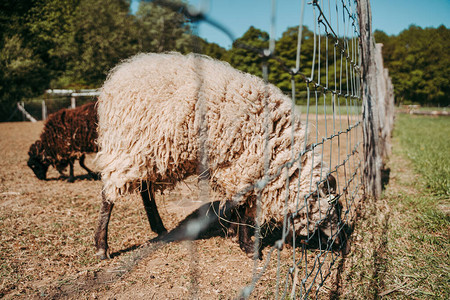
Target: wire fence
[[333, 122], [336, 136]]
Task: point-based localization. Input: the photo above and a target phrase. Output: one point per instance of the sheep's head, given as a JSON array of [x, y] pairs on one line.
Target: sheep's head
[[37, 161], [324, 210], [330, 226]]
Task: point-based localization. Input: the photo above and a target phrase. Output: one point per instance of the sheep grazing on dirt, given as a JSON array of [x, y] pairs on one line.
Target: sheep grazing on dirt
[[68, 134], [149, 127]]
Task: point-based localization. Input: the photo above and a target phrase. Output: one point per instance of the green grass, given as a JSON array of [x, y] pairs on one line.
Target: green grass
[[418, 235], [426, 142], [425, 108], [402, 240]]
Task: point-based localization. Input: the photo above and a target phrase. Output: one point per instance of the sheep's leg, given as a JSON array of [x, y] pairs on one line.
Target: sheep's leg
[[71, 176], [61, 174], [233, 227], [90, 173], [246, 243], [101, 235], [61, 166], [150, 208]]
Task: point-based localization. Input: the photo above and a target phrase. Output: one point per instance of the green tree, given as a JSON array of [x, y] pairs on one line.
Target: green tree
[[22, 71], [50, 32], [245, 53], [286, 49], [81, 40], [104, 33], [22, 74], [419, 63], [212, 49], [162, 28]]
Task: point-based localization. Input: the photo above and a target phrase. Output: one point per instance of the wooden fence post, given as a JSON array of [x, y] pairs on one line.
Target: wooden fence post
[[390, 110], [21, 107], [371, 118], [44, 111]]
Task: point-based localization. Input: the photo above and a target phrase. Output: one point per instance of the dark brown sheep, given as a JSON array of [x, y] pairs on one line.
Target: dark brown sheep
[[68, 134]]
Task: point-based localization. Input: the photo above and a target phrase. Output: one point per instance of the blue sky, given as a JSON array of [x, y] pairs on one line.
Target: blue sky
[[391, 16]]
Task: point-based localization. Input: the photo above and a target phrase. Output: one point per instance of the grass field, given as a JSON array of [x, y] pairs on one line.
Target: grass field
[[401, 245], [426, 142], [424, 108]]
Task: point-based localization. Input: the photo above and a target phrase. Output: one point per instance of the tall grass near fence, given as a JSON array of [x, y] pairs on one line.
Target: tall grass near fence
[[417, 261], [402, 239], [425, 142]]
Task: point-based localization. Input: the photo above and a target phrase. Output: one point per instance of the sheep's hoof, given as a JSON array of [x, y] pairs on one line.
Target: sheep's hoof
[[102, 254], [94, 176], [247, 248], [232, 233], [71, 179], [251, 255], [161, 231]]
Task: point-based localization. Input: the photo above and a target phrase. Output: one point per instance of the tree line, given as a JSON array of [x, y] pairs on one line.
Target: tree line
[[419, 64], [74, 43]]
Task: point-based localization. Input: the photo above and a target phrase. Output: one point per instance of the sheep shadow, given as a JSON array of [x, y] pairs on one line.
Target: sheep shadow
[[208, 221], [88, 177], [211, 220], [124, 251]]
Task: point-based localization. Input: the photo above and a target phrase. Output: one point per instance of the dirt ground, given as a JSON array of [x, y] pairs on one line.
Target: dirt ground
[[47, 229]]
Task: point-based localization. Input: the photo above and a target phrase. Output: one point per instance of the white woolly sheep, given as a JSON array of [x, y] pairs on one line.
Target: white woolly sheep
[[149, 124]]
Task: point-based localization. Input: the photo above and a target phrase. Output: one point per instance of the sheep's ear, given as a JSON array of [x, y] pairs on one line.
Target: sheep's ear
[[34, 149], [63, 116]]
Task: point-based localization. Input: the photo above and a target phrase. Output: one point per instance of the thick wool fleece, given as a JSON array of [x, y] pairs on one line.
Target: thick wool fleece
[[67, 135], [149, 126]]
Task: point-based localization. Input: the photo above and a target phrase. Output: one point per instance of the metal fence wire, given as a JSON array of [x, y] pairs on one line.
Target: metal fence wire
[[332, 117]]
